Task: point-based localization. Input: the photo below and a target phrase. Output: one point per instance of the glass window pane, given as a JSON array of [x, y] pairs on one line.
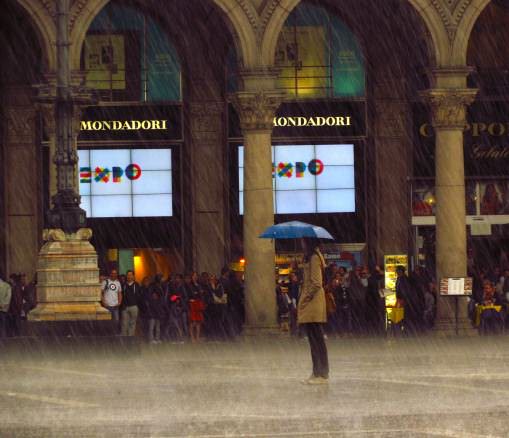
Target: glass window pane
[[152, 159], [336, 201], [298, 201], [152, 205], [336, 177], [336, 154], [111, 206], [153, 182]]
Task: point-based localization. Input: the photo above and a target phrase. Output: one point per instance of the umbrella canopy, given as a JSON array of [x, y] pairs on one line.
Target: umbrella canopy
[[295, 230]]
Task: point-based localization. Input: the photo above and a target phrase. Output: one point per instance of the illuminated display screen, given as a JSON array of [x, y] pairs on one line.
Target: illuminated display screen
[[125, 182], [309, 179]]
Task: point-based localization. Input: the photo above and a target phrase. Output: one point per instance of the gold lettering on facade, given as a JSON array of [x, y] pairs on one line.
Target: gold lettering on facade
[[479, 152], [301, 121], [123, 125], [476, 129]]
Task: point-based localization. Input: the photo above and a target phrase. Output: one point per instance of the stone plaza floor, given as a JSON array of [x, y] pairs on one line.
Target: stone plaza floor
[[381, 387]]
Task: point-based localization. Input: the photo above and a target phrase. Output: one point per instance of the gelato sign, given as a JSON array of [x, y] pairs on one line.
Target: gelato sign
[[485, 140]]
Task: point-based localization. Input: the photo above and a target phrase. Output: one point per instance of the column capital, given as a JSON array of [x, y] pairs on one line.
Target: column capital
[[256, 109], [46, 91], [449, 106]]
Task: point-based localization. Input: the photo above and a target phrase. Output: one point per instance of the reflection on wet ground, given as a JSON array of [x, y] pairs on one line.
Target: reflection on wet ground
[[378, 387]]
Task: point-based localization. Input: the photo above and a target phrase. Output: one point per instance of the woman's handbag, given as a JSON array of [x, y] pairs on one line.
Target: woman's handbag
[[330, 303]]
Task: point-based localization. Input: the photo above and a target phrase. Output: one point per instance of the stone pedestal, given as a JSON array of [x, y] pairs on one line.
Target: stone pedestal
[[68, 287]]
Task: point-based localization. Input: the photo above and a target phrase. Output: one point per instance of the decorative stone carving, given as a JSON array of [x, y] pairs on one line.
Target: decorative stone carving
[[84, 234], [451, 12], [390, 118], [68, 278], [20, 127], [206, 122], [250, 11], [48, 116], [256, 110], [449, 106], [58, 235], [53, 235]]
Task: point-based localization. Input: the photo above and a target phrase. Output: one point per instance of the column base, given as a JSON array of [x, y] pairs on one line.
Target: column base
[[446, 327], [79, 311], [260, 331]]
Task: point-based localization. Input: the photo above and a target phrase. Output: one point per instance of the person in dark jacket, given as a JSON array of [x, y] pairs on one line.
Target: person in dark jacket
[[142, 306], [15, 306], [28, 293], [185, 291], [375, 305], [155, 309], [218, 308], [406, 295], [420, 284], [131, 297], [236, 302], [358, 292], [343, 305]]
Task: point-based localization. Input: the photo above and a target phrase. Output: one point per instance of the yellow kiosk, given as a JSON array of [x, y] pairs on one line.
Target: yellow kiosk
[[393, 313]]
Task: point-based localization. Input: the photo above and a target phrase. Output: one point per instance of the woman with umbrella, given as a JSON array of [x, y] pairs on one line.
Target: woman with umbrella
[[311, 310]]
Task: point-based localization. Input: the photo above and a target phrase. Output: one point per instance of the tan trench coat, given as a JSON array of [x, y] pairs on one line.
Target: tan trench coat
[[311, 306]]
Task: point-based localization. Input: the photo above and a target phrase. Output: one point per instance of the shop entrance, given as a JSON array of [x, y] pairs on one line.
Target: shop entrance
[[145, 262]]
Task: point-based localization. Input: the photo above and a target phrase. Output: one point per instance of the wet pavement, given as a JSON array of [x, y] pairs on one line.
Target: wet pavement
[[378, 387]]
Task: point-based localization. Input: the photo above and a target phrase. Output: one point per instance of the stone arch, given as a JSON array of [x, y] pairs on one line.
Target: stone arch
[[240, 21], [464, 31], [277, 15], [274, 22], [45, 27], [435, 25]]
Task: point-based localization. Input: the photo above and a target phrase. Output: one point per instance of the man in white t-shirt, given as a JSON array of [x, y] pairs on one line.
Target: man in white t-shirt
[[112, 294]]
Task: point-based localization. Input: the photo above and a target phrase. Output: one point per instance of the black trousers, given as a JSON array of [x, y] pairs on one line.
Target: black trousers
[[319, 355]]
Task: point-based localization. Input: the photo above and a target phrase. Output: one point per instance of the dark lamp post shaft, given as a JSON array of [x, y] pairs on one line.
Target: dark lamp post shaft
[[66, 213]]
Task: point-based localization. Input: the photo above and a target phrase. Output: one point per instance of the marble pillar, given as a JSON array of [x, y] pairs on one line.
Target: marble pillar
[[449, 118], [256, 112]]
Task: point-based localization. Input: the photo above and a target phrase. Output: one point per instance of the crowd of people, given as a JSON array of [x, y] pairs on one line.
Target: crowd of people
[[491, 292], [177, 308], [195, 305], [17, 299], [355, 300]]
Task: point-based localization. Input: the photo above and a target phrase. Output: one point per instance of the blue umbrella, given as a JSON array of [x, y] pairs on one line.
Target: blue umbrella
[[295, 230]]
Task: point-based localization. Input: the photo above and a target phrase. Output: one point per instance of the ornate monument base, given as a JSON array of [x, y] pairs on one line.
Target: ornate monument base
[[68, 287]]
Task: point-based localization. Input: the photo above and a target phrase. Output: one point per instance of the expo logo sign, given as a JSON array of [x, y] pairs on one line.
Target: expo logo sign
[[105, 175], [286, 170]]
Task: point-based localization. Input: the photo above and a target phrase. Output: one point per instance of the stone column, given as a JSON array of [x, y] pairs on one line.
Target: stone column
[[388, 189], [448, 107], [208, 181], [256, 111], [20, 166]]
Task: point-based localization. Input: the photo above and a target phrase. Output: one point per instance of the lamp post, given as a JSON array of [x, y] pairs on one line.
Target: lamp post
[[66, 212], [68, 288]]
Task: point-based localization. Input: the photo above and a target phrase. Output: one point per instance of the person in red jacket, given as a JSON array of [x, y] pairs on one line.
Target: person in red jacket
[[196, 309]]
